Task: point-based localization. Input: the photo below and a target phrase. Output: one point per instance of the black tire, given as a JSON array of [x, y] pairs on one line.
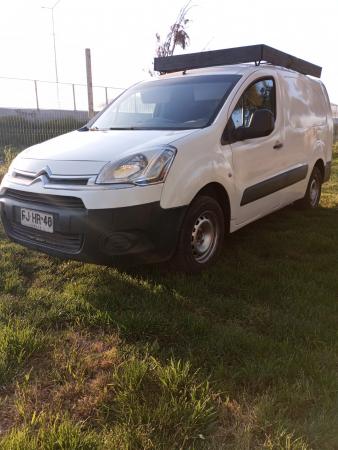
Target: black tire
[[201, 236], [311, 198]]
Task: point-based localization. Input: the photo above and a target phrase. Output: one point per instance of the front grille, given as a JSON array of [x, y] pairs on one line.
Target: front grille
[[51, 180], [44, 199], [68, 181], [69, 243], [25, 176]]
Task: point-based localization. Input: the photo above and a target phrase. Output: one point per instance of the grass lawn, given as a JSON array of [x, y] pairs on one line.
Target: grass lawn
[[243, 356]]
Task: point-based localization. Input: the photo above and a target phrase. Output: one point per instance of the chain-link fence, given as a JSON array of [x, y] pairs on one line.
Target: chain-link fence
[[21, 128], [32, 111]]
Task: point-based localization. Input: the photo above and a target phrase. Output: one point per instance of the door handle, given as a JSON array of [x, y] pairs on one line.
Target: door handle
[[278, 145]]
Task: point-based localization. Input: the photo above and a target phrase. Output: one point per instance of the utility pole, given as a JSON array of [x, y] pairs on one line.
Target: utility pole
[[89, 84], [51, 8]]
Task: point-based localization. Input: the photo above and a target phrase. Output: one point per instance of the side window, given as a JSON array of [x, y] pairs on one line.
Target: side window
[[258, 96]]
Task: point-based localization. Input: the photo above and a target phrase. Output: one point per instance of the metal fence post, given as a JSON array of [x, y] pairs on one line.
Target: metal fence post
[[74, 99], [36, 94], [89, 84], [106, 91]]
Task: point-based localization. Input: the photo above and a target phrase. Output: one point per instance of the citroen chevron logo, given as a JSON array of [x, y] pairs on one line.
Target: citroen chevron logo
[[44, 172]]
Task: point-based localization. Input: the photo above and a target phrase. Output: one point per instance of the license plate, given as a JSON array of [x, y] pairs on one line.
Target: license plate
[[37, 219]]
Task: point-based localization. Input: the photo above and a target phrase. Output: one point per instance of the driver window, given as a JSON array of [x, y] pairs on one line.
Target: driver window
[[260, 95]]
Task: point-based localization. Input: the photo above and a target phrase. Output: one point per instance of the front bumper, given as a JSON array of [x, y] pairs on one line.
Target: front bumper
[[124, 235]]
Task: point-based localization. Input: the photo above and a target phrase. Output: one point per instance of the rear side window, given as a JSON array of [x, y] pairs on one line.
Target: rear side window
[[259, 95]]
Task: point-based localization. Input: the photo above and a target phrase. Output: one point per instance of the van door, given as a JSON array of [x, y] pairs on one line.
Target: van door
[[260, 163], [306, 123]]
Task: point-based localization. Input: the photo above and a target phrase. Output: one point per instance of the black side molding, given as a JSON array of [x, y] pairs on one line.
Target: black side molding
[[274, 184]]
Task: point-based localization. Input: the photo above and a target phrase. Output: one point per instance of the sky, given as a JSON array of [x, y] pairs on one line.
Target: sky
[[121, 36]]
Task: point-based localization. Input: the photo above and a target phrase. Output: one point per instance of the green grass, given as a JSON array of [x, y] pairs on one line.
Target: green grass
[[242, 356], [56, 434], [18, 342], [7, 154]]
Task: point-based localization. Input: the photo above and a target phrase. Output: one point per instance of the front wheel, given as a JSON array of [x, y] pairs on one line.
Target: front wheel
[[313, 191], [202, 235]]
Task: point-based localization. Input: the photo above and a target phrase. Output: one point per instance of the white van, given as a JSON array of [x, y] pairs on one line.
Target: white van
[[174, 163]]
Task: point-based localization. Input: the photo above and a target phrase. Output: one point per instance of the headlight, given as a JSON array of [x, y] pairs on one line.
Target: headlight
[[145, 168]]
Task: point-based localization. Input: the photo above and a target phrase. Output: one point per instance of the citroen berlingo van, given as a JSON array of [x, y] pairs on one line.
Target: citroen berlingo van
[[218, 140]]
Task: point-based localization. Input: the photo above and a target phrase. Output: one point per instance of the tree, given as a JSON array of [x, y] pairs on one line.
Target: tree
[[177, 35]]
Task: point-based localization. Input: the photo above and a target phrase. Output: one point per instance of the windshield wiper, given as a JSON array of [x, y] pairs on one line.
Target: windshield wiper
[[123, 128]]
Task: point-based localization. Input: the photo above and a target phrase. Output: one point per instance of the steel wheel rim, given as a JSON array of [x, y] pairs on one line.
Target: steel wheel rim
[[204, 237], [314, 192]]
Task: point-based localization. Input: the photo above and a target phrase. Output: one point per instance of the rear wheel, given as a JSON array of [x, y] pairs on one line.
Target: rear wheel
[[313, 192], [202, 235]]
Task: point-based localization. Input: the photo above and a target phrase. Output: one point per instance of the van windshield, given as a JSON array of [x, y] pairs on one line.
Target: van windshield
[[184, 102]]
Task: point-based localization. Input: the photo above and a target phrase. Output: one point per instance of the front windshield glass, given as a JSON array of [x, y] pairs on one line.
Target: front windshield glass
[[183, 102]]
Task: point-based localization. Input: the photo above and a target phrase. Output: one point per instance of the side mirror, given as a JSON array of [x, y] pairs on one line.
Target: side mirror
[[261, 124]]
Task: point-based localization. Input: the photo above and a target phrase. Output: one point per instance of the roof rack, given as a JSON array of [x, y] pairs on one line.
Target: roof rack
[[236, 55]]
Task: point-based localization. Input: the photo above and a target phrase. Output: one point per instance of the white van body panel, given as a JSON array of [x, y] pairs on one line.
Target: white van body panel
[[306, 118], [101, 146], [198, 165]]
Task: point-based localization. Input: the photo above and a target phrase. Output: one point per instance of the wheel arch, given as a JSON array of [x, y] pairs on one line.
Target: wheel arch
[[321, 166], [219, 193]]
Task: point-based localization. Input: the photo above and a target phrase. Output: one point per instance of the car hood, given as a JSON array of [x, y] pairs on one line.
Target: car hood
[[85, 152]]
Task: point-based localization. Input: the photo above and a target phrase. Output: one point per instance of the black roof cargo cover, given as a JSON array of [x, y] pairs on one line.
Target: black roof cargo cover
[[236, 55]]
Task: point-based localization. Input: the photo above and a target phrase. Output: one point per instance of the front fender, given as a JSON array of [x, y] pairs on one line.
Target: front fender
[[200, 160]]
